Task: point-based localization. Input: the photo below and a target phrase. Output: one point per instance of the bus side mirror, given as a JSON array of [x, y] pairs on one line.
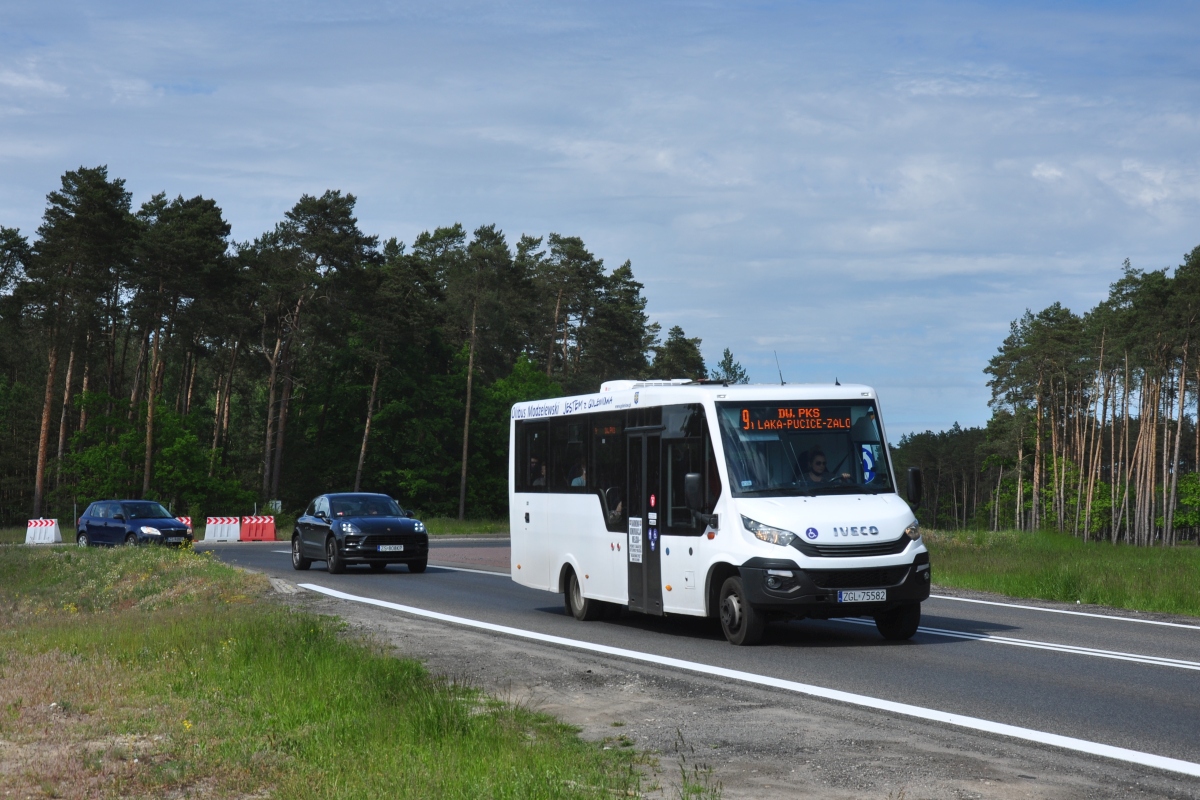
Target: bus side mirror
[[693, 492], [915, 486]]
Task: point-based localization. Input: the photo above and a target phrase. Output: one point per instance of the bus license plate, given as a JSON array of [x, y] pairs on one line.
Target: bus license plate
[[391, 548], [863, 596]]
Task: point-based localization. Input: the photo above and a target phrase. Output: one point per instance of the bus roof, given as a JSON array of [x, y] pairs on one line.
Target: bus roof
[[617, 395]]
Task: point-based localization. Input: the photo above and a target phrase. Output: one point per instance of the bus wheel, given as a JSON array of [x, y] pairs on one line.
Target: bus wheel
[[740, 623], [579, 606], [900, 623]]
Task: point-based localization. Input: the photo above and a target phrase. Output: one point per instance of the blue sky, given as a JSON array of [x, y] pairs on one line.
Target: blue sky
[[873, 190]]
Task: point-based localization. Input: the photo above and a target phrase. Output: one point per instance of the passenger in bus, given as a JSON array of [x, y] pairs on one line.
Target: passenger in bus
[[616, 506], [581, 478], [537, 472], [817, 466]]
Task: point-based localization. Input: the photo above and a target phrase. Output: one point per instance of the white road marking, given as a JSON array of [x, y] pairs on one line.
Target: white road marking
[[1061, 648], [464, 569], [933, 715], [1065, 611], [287, 552]]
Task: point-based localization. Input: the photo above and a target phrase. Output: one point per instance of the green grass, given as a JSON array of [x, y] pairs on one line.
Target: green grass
[[449, 525], [1054, 566], [12, 535], [178, 661]]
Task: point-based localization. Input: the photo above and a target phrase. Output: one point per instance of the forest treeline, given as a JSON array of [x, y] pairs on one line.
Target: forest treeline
[[146, 354], [1093, 428]]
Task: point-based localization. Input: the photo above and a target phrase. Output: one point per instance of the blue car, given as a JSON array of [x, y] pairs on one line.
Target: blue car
[[131, 522]]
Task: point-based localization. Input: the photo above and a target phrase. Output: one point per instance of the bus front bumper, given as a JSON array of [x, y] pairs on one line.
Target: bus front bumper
[[779, 586]]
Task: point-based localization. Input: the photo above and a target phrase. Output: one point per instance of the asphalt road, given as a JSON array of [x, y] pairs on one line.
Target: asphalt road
[[1112, 681]]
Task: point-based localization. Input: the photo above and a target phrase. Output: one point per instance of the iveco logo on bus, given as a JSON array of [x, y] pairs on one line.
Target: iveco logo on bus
[[861, 530]]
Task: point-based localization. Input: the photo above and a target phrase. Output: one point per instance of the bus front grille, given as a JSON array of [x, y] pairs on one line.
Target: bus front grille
[[852, 550], [857, 578]]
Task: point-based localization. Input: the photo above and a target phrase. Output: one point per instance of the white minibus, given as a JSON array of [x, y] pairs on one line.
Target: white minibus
[[739, 503]]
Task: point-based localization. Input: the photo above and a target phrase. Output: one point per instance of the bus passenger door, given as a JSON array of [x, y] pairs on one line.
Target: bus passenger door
[[645, 546]]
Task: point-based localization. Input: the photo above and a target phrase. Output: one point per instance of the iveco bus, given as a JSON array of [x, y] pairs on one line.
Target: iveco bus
[[742, 503]]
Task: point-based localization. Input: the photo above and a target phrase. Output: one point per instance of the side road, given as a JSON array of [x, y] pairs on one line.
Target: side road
[[760, 744]]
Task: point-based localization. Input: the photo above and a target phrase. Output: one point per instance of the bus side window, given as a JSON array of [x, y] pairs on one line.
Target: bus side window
[[688, 450], [606, 471], [532, 468], [568, 455]]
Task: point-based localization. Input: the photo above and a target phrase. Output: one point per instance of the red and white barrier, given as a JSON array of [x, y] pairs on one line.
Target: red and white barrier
[[258, 529], [222, 529], [186, 521], [43, 531]]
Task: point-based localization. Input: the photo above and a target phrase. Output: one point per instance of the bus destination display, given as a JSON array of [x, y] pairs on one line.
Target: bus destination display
[[796, 418]]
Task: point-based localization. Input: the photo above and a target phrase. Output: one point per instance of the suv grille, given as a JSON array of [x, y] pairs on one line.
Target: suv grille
[[852, 550], [857, 578]]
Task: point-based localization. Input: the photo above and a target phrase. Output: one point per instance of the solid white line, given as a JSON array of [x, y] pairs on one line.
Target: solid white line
[[1116, 655], [464, 569], [972, 723], [1064, 611], [288, 552]]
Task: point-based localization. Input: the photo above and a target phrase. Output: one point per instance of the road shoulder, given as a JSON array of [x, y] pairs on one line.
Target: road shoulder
[[760, 744]]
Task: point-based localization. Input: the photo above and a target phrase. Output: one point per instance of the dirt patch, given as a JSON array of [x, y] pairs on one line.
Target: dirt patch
[[759, 744]]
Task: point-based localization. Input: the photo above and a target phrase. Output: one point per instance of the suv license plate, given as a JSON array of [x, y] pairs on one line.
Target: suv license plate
[[175, 540], [863, 596], [391, 548]]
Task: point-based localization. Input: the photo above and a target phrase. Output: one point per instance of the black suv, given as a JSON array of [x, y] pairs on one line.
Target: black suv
[[130, 522], [359, 528]]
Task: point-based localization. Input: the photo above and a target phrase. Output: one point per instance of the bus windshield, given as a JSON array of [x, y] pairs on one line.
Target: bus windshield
[[823, 447]]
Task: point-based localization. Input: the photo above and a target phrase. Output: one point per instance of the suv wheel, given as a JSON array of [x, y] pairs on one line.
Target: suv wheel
[[418, 566], [333, 559], [131, 540], [741, 624], [298, 559], [81, 539]]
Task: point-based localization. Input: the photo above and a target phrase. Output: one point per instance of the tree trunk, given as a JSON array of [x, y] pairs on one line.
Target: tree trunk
[[1169, 515], [39, 480], [274, 362], [362, 451], [83, 388], [1036, 486], [281, 426], [462, 481], [62, 420], [553, 335], [151, 401], [137, 373]]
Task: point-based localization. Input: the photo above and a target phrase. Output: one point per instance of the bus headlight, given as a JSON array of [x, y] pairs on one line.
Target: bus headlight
[[913, 531], [768, 534]]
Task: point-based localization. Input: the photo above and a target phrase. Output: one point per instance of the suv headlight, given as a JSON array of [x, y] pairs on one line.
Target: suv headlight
[[419, 527], [913, 531], [768, 534], [146, 529], [350, 527]]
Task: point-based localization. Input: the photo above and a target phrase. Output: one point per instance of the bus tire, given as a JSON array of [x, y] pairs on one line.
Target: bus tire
[[899, 624], [579, 606], [740, 623]]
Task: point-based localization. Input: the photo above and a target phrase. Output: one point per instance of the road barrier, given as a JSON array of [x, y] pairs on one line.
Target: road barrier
[[222, 529], [258, 529], [186, 521], [43, 531]]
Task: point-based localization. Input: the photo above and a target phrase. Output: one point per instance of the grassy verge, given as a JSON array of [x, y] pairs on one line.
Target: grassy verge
[[148, 672], [1053, 566], [12, 535], [450, 525]]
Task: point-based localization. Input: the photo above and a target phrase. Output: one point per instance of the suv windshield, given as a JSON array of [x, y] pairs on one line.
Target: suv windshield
[[776, 449], [364, 505], [145, 510]]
